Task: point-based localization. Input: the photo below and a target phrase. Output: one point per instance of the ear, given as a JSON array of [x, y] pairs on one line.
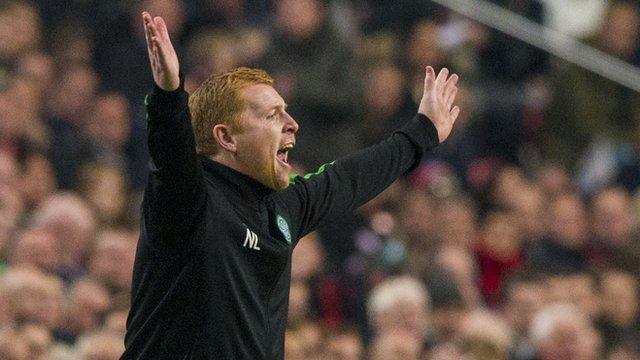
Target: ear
[[222, 136]]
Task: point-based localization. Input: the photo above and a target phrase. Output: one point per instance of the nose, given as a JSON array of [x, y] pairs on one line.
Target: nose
[[290, 125]]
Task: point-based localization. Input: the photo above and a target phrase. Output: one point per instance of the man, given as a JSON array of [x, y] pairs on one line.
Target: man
[[221, 216]]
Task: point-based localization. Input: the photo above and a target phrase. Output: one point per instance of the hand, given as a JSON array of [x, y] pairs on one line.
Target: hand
[[162, 56], [437, 99]]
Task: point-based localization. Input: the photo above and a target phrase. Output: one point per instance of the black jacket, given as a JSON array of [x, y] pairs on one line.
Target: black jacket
[[213, 263]]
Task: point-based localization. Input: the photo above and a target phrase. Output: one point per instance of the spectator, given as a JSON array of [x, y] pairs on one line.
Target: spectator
[[461, 265], [307, 258], [38, 249], [37, 177], [555, 180], [116, 322], [121, 53], [573, 19], [20, 30], [507, 60], [574, 119], [25, 114], [499, 253], [503, 192], [524, 296], [583, 294], [383, 16], [34, 297], [529, 210], [560, 331], [68, 45], [396, 345], [448, 307], [387, 103], [105, 190], [446, 351], [345, 345], [298, 303], [468, 144], [72, 223], [562, 250], [423, 47], [100, 346], [39, 67], [20, 126], [400, 306], [615, 231], [88, 302], [619, 323], [38, 339], [211, 52], [315, 73], [10, 213], [312, 336], [418, 223], [69, 108], [293, 346], [109, 129], [457, 221], [12, 345], [111, 261], [626, 352], [486, 336]]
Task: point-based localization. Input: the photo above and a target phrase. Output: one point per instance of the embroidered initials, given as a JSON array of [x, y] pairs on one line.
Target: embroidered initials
[[251, 240]]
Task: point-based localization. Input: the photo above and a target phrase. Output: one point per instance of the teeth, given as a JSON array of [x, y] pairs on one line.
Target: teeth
[[287, 147]]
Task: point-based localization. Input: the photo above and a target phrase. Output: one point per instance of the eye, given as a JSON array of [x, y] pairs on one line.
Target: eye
[[272, 116]]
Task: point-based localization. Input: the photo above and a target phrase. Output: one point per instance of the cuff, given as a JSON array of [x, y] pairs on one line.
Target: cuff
[[422, 134], [163, 101]]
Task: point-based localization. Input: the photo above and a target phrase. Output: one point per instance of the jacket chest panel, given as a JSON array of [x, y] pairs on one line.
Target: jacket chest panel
[[240, 242]]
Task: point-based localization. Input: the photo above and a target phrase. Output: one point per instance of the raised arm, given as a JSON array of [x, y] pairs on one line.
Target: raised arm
[[174, 193], [344, 185]]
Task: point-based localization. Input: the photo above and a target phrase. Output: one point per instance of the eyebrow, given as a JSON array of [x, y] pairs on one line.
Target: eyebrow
[[276, 106]]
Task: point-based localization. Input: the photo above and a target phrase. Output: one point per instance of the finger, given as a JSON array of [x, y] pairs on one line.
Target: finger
[[429, 79], [454, 114], [441, 79], [162, 29], [153, 54], [146, 20], [164, 42], [152, 49], [163, 34], [451, 83], [150, 25], [451, 97], [154, 38]]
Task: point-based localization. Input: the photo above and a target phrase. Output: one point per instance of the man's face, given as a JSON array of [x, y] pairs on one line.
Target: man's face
[[568, 221], [523, 302], [267, 134]]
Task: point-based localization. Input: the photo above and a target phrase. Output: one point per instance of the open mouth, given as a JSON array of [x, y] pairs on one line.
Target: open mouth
[[283, 153]]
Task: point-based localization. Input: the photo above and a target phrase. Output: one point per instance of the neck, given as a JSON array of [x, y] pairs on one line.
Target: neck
[[227, 159], [243, 186]]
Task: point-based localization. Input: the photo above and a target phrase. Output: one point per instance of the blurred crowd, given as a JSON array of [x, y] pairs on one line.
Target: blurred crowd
[[516, 239]]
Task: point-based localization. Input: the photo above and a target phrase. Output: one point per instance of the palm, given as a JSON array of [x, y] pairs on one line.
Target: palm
[[437, 101], [162, 56]]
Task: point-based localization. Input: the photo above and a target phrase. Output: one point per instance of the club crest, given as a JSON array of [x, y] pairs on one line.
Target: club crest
[[284, 228]]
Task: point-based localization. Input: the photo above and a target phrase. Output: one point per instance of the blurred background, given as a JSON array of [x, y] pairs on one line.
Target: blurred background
[[516, 239]]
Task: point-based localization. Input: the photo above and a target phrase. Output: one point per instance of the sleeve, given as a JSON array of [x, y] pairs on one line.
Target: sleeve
[[175, 192], [342, 186]]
